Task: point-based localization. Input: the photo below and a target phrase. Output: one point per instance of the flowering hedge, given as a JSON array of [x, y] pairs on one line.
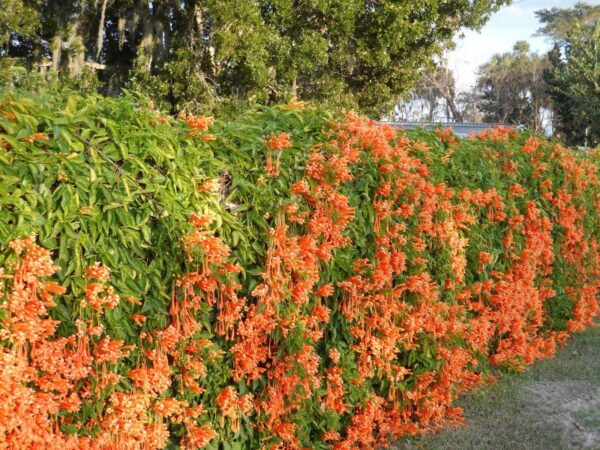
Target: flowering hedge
[[284, 280]]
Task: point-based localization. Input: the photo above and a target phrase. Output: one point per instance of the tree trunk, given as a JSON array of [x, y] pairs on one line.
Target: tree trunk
[[160, 32], [146, 46], [121, 23], [448, 94], [196, 35], [56, 52], [456, 114], [100, 37], [76, 49]]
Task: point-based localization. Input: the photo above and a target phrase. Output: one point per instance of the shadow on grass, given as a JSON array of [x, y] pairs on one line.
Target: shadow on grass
[[554, 405]]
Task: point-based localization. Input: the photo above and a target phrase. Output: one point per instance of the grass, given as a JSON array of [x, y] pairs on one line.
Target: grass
[[555, 404]]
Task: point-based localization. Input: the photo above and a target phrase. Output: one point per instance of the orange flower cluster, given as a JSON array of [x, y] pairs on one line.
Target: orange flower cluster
[[99, 295], [381, 292], [447, 136], [43, 374], [36, 137], [47, 381], [198, 126], [200, 123], [499, 133], [275, 144]]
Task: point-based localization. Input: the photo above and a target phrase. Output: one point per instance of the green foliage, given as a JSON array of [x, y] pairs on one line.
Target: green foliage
[[18, 18], [110, 185], [574, 85], [203, 56], [115, 184]]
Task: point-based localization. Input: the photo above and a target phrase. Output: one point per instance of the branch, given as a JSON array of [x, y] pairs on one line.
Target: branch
[[101, 153]]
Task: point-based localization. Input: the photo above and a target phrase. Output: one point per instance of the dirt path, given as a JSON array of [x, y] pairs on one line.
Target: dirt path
[[555, 405]]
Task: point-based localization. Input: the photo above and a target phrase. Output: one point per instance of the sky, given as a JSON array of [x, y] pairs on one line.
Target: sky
[[512, 23]]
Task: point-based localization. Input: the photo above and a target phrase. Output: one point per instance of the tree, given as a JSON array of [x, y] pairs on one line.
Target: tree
[[18, 22], [468, 102], [573, 76], [574, 81], [511, 88], [433, 96], [192, 54]]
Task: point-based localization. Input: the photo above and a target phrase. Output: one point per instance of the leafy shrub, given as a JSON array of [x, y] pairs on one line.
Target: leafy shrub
[[281, 280]]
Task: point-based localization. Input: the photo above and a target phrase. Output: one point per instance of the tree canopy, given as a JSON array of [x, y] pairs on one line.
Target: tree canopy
[[511, 87], [196, 55], [573, 76], [559, 22], [17, 18], [574, 81]]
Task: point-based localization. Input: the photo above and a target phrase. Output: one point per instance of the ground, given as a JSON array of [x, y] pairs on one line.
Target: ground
[[554, 405]]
